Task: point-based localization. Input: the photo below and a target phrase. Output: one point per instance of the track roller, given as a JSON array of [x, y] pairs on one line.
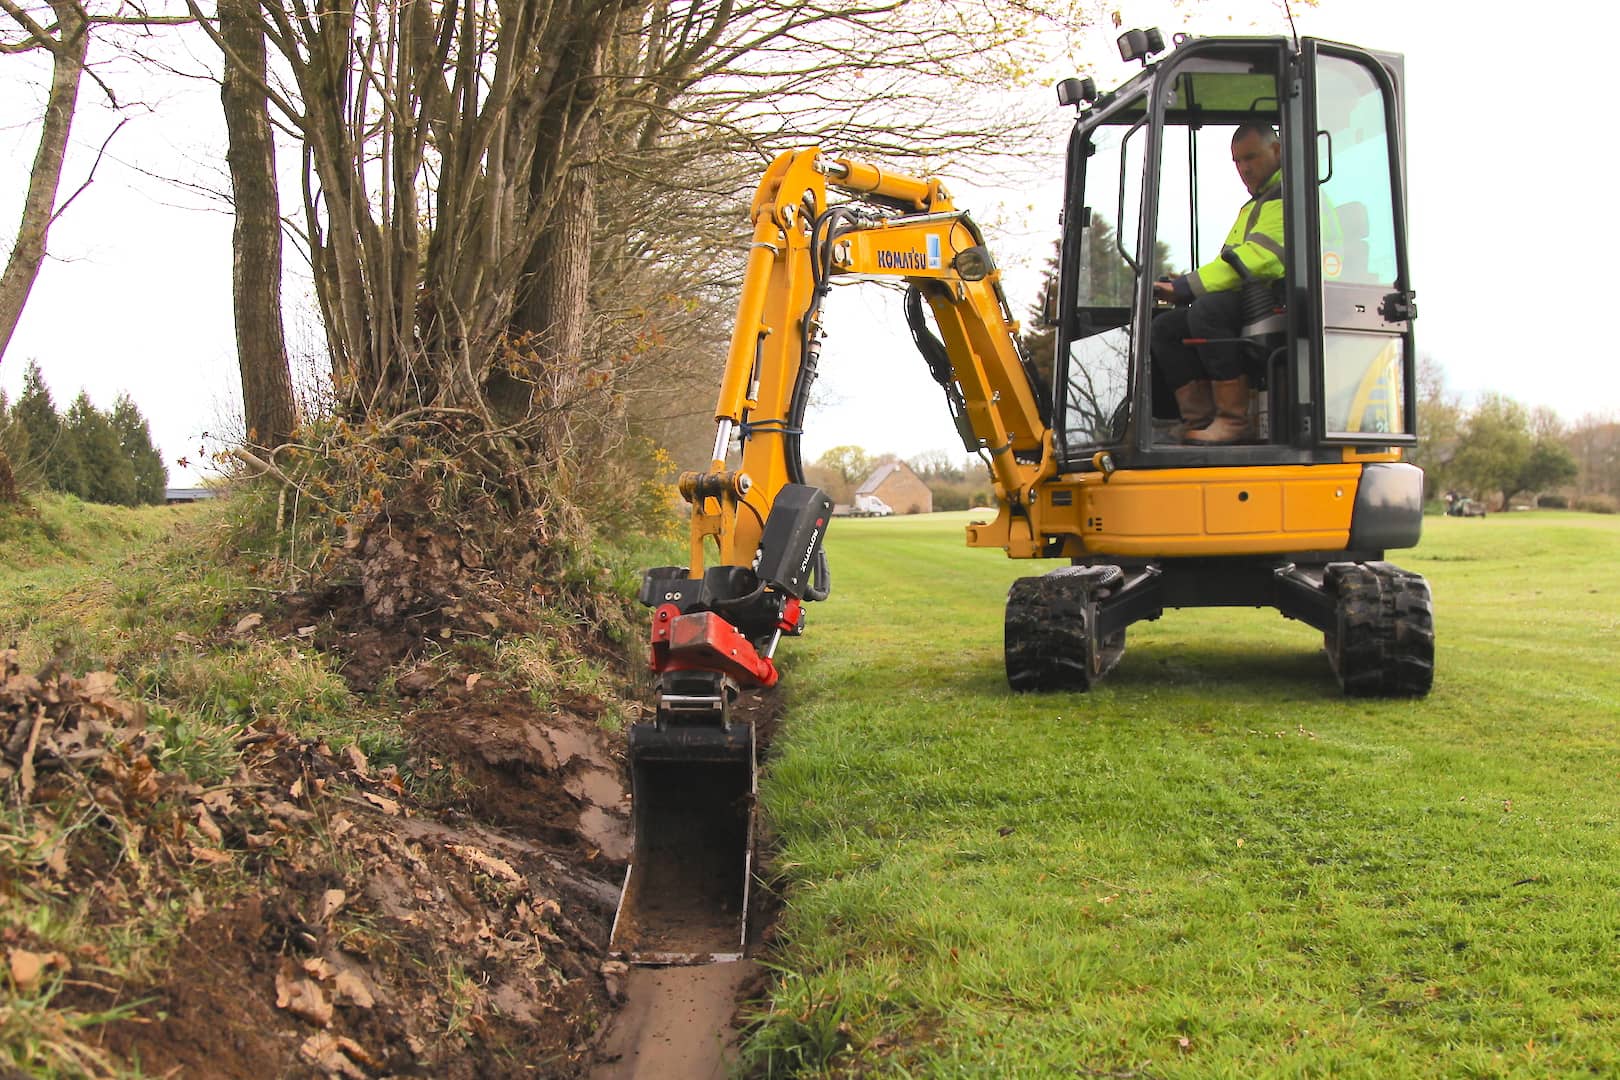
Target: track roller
[[1383, 643], [1051, 630]]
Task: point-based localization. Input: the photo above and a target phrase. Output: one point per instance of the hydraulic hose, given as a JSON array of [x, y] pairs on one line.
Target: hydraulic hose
[[823, 231]]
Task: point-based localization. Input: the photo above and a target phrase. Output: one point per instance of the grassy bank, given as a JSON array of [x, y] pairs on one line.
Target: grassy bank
[[244, 833], [1214, 865]]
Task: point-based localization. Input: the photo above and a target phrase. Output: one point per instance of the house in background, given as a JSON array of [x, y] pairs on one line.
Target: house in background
[[893, 489]]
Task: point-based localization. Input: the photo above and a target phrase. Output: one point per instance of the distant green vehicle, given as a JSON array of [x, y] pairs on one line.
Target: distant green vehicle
[[1463, 506]]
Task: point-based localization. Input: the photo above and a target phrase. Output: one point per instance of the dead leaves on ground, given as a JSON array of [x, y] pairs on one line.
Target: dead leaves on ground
[[51, 722], [72, 751]]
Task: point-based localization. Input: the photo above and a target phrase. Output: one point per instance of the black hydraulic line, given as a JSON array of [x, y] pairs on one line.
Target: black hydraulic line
[[823, 231], [938, 360], [821, 583], [932, 349]]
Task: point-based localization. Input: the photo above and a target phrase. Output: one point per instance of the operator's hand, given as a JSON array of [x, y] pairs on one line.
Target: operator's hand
[[1164, 291]]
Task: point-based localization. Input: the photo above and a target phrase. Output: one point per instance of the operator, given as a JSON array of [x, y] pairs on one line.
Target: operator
[[1211, 388]]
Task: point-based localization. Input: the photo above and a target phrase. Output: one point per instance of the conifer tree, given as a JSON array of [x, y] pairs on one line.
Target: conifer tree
[[10, 438], [48, 453], [105, 475], [135, 438]]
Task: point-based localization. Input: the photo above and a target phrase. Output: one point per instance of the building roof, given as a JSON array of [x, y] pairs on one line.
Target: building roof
[[873, 482]]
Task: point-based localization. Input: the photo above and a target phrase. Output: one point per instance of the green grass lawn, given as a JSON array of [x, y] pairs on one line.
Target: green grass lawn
[[1214, 865]]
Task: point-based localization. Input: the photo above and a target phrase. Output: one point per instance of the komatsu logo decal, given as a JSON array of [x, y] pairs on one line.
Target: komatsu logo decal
[[911, 260], [901, 260]]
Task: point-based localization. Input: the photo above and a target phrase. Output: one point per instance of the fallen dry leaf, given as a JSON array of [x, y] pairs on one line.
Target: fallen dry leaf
[[332, 1054], [349, 989], [302, 997], [489, 864], [28, 968], [207, 826], [472, 681], [209, 855], [387, 806], [248, 622], [98, 683], [331, 903]]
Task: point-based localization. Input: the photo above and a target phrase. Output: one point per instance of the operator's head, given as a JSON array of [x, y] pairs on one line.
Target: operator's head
[[1257, 153]]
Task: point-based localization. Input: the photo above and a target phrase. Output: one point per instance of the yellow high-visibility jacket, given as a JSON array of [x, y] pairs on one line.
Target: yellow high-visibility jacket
[[1257, 236]]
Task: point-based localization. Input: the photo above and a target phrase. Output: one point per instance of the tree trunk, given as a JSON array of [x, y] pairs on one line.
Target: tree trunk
[[553, 300], [562, 185], [40, 204], [559, 268], [261, 349]]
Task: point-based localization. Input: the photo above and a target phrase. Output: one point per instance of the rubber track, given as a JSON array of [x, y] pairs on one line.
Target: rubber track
[[1384, 646], [1048, 638]]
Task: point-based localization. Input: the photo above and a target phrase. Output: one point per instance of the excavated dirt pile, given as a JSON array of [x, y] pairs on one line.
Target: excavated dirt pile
[[305, 913]]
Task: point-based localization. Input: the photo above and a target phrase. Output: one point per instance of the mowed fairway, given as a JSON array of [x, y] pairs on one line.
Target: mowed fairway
[[1213, 865]]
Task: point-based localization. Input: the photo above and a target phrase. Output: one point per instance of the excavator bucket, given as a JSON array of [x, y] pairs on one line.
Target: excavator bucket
[[686, 893]]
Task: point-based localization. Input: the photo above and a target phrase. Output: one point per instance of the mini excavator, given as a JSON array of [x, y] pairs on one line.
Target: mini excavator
[[1297, 517]]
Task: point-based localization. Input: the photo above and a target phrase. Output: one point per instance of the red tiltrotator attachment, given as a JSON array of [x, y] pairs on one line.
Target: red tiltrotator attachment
[[705, 641]]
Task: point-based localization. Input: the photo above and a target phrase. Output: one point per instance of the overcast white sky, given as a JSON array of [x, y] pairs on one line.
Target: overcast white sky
[[1511, 227]]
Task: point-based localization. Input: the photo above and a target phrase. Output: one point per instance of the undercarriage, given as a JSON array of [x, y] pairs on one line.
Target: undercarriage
[[1066, 629]]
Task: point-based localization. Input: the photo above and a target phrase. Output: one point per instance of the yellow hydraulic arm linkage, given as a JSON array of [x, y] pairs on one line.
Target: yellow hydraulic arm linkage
[[908, 229]]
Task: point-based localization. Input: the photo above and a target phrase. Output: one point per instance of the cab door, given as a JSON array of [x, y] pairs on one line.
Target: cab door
[[1364, 383]]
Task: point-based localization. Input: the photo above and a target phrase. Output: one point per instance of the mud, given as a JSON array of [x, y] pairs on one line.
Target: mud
[[675, 1022]]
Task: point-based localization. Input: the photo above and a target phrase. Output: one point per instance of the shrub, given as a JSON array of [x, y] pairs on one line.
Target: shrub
[[1553, 502], [1597, 504]]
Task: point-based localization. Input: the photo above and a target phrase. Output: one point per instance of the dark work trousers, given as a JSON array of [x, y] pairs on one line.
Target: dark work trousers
[[1213, 315]]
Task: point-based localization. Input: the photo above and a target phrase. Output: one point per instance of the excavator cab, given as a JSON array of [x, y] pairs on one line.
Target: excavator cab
[[1298, 513], [1151, 192]]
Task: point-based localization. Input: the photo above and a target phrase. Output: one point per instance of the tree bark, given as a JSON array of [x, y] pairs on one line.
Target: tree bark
[[261, 349], [562, 186], [39, 206]]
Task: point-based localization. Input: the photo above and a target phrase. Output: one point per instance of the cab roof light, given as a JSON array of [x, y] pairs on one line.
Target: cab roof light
[[1076, 91], [1140, 44]]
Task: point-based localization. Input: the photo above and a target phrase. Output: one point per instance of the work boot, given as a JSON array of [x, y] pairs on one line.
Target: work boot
[[1232, 423], [1197, 407]]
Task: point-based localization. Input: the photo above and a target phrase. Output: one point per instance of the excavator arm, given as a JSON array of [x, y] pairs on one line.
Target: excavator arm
[[756, 532], [756, 555]]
